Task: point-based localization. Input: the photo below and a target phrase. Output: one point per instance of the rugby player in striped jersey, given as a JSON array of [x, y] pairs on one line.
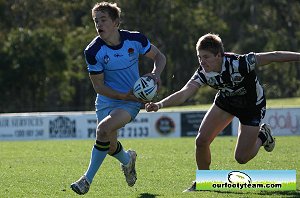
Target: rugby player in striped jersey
[[240, 95]]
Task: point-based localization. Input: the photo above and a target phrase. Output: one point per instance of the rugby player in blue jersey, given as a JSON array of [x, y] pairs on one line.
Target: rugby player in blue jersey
[[112, 59], [240, 94]]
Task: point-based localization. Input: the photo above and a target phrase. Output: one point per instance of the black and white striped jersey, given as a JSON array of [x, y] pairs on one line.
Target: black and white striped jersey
[[237, 79]]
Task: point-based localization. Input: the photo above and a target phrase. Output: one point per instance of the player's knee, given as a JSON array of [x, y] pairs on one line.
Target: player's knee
[[241, 159], [102, 130]]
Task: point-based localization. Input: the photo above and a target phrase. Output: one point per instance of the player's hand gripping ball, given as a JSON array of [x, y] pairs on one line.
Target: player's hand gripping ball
[[145, 88]]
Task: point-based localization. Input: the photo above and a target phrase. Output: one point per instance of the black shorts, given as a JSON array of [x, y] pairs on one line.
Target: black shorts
[[248, 114]]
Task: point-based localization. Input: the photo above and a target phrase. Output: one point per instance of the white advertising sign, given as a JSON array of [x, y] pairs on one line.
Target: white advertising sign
[[22, 127], [165, 124], [40, 126], [82, 125], [138, 128], [143, 126], [282, 121]]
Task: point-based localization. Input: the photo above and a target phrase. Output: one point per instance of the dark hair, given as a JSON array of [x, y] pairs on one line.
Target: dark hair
[[210, 42]]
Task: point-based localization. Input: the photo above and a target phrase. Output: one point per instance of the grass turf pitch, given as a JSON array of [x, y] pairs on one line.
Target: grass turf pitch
[[164, 166]]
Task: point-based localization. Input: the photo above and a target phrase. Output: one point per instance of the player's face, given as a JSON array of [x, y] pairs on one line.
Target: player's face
[[104, 25], [209, 62]]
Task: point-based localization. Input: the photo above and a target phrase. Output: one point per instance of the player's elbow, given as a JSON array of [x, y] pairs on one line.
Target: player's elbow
[[161, 59]]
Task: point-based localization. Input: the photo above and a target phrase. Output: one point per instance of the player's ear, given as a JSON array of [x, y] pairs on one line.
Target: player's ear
[[117, 22]]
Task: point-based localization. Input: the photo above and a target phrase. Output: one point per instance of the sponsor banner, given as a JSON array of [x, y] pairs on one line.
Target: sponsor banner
[[138, 128], [190, 122], [42, 126], [282, 121], [22, 127], [82, 125], [63, 126], [89, 123], [273, 180], [143, 126], [165, 124]]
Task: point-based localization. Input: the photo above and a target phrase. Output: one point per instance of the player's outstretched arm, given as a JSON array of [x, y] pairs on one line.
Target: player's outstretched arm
[[265, 58], [176, 98]]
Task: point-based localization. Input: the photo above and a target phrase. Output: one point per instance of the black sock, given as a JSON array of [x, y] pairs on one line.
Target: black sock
[[119, 148], [102, 146], [262, 137]]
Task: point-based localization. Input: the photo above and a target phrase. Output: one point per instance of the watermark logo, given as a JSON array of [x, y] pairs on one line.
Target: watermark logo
[[274, 180], [235, 177]]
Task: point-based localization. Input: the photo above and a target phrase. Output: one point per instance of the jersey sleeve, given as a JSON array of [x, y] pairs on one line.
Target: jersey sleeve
[[199, 77], [247, 63], [93, 65], [145, 44]]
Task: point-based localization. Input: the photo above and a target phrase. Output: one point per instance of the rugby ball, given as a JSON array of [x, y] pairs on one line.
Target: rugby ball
[[239, 177], [145, 88]]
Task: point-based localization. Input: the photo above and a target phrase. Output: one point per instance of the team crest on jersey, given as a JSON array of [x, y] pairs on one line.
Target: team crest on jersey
[[130, 51], [106, 59]]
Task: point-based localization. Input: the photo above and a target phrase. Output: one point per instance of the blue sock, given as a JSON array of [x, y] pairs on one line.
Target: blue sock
[[99, 152], [121, 155]]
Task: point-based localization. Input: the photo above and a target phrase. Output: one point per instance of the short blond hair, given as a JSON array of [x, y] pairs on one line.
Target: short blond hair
[[210, 42], [112, 9]]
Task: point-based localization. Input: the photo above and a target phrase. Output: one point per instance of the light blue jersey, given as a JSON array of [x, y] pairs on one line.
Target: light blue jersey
[[119, 64]]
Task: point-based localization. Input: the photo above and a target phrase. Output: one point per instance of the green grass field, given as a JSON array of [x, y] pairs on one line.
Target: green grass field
[[165, 167]]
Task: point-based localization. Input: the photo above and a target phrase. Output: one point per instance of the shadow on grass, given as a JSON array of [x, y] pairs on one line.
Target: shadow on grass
[[274, 193], [147, 195]]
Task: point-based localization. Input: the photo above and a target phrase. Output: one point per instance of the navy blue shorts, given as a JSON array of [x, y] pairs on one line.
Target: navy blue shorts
[[250, 115]]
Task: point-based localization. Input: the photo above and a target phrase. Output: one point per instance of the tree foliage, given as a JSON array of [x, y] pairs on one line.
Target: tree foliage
[[42, 67]]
